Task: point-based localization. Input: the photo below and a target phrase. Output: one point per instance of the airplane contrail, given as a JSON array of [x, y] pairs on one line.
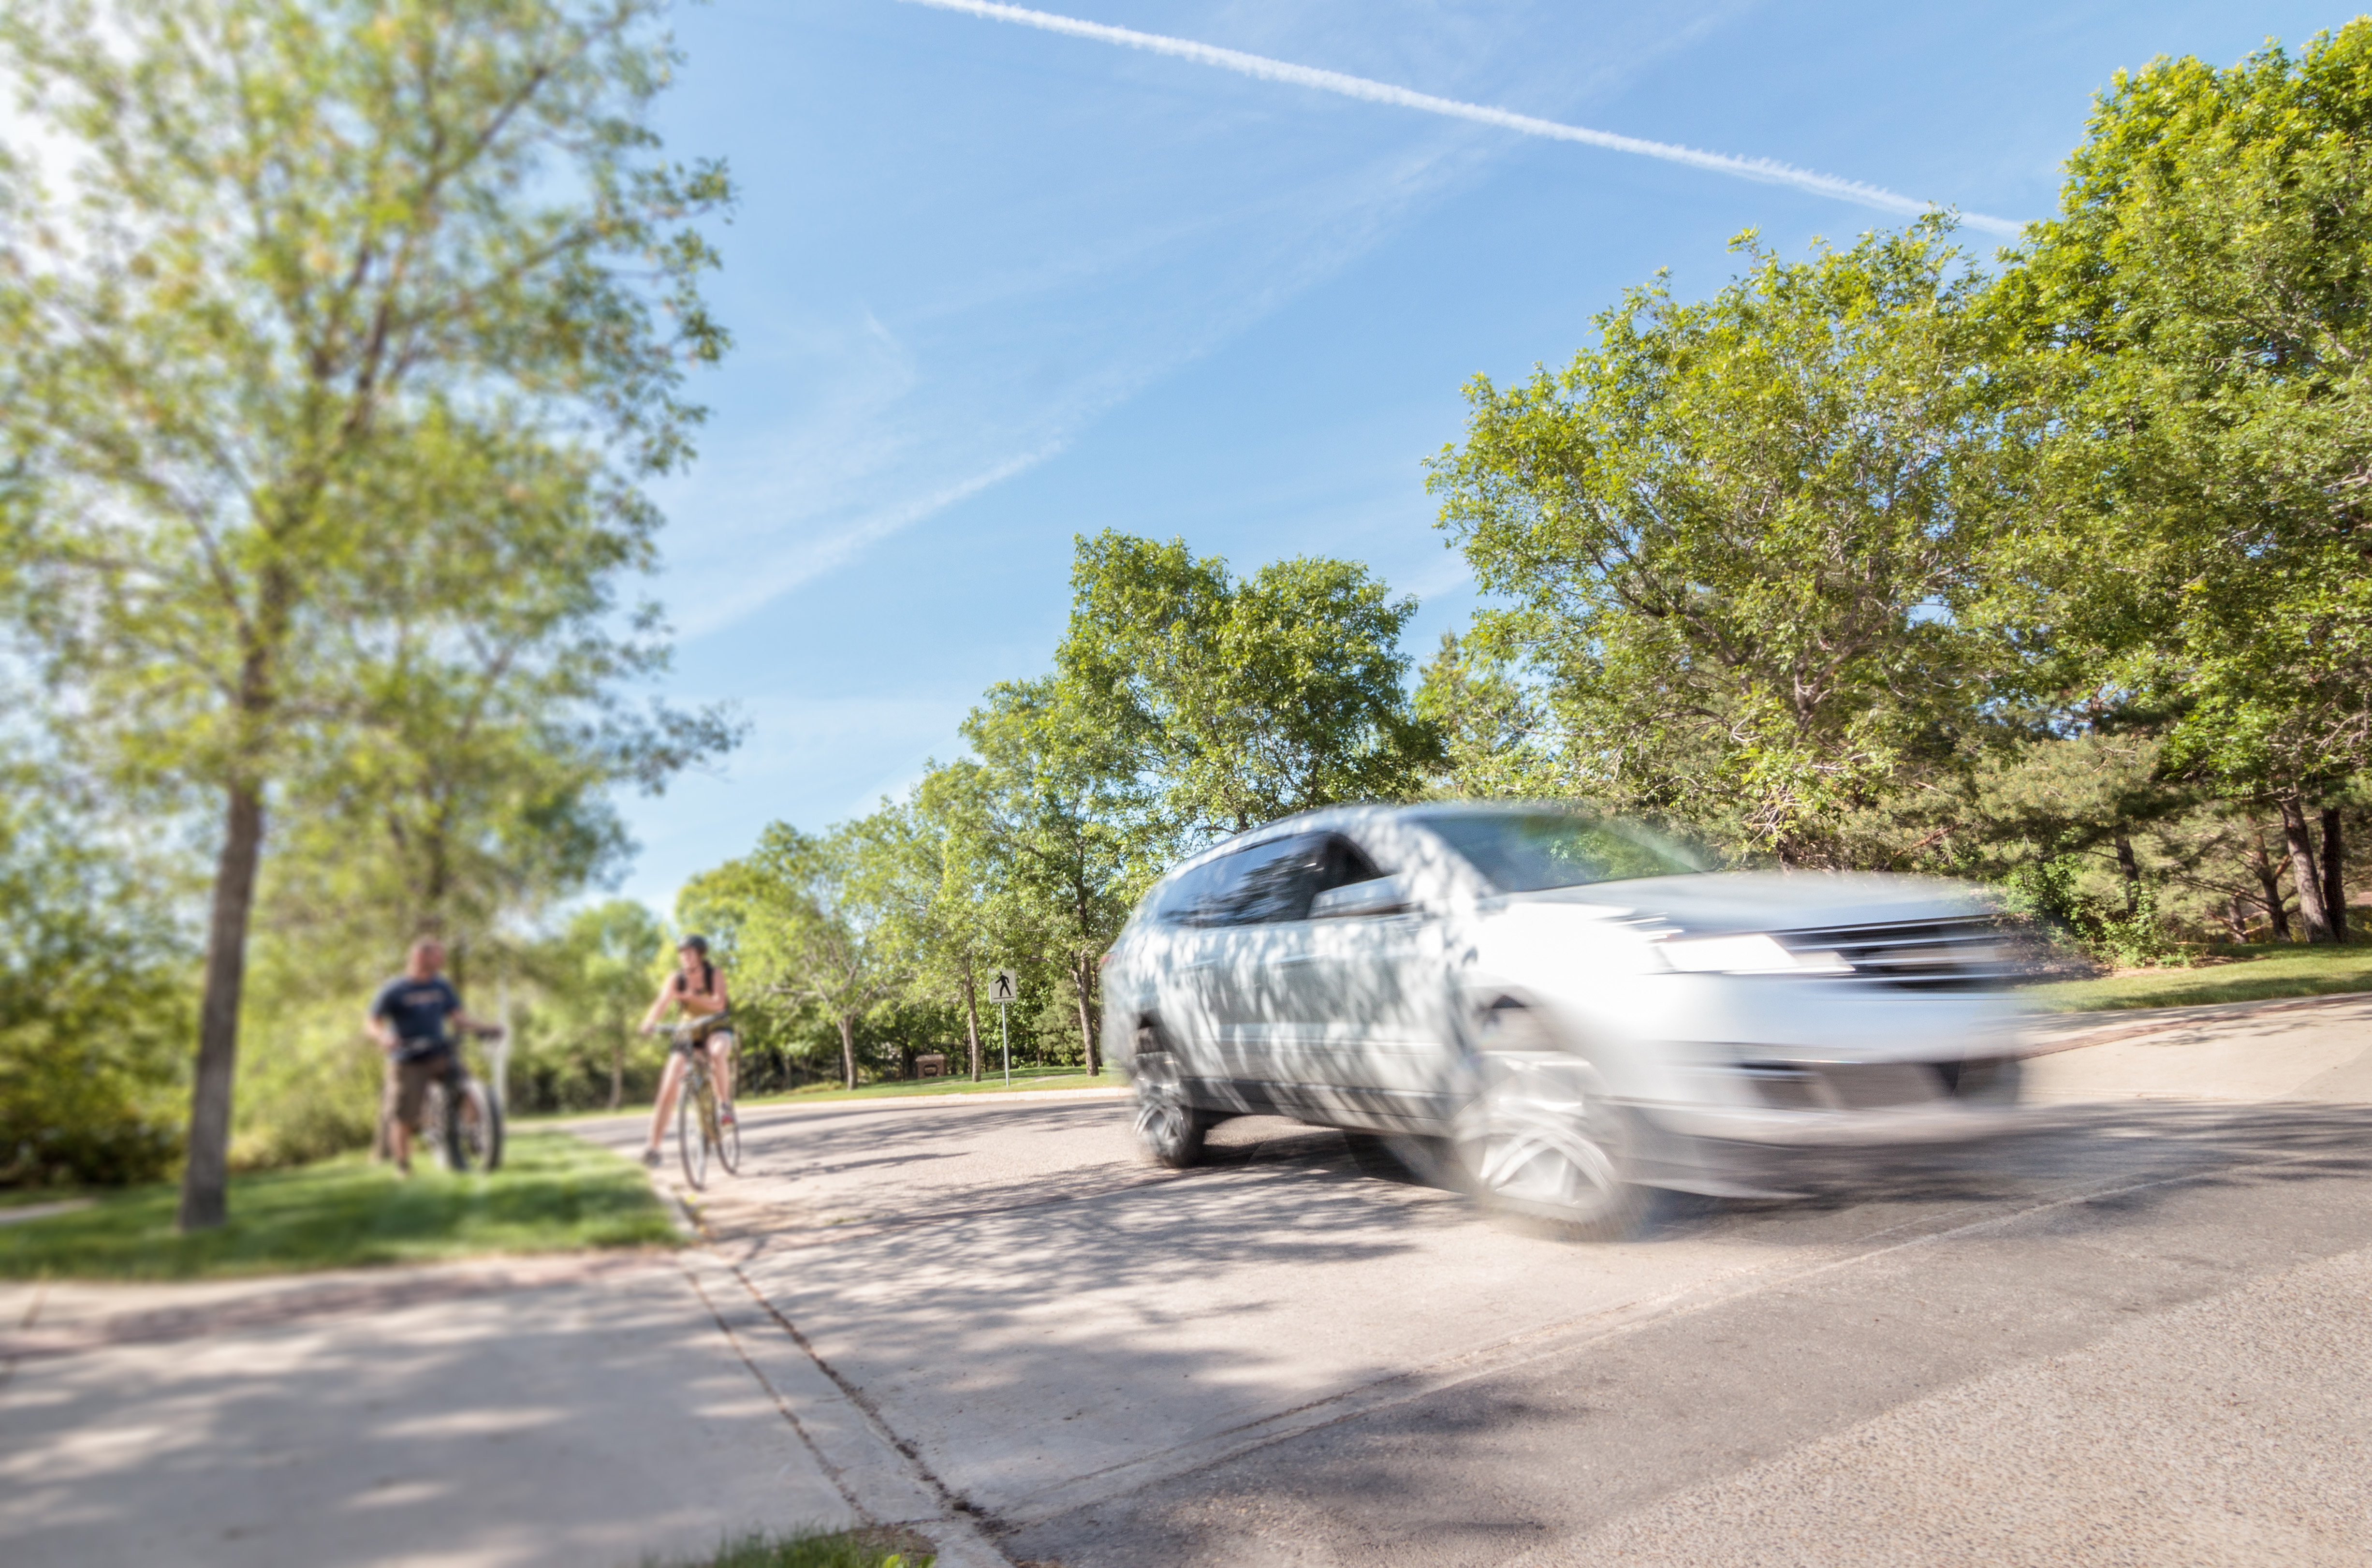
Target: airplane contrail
[[1769, 170]]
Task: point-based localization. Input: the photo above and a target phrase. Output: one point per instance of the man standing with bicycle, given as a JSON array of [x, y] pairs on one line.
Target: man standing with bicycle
[[408, 1018], [697, 989]]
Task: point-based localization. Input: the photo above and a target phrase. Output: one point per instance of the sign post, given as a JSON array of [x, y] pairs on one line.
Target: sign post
[[1004, 990]]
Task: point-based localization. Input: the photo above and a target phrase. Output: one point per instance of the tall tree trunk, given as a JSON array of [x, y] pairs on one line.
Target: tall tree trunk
[[2129, 869], [971, 1021], [2334, 883], [2303, 870], [1083, 974], [2269, 878], [847, 1053], [2236, 919], [617, 1071], [204, 1179]]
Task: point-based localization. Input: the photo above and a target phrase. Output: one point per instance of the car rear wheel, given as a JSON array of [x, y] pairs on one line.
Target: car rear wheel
[[1541, 1144], [1167, 1128]]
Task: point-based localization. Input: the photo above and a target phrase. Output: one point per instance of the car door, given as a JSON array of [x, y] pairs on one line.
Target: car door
[[1375, 1000], [1311, 1023], [1188, 918], [1243, 977], [1223, 957]]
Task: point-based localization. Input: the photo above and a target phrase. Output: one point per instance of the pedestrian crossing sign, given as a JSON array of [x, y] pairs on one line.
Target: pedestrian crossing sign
[[1003, 988]]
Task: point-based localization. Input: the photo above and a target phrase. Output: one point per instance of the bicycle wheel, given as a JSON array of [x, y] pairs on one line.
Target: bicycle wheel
[[728, 1144], [728, 1140], [452, 1120], [481, 1127], [690, 1127], [712, 1132]]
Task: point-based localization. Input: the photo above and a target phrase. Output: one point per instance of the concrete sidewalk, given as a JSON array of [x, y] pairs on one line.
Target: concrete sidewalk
[[590, 1410], [2292, 1049]]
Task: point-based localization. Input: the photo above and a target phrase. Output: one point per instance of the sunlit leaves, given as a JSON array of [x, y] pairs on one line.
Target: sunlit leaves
[[2204, 306], [1733, 539]]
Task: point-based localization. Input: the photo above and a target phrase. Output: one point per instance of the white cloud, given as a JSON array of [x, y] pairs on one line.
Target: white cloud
[[896, 432], [1261, 67]]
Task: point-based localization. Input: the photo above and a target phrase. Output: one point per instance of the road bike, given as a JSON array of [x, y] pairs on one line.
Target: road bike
[[700, 1129]]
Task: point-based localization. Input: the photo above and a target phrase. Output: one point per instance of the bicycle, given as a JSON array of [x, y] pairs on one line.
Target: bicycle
[[696, 1113], [459, 1121]]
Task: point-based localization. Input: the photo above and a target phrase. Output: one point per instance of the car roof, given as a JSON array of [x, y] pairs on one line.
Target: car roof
[[1324, 817]]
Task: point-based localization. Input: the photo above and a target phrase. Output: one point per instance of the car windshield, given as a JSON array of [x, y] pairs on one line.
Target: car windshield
[[1524, 851]]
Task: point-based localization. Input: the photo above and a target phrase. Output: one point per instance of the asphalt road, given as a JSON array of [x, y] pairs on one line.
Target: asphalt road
[[2137, 1333]]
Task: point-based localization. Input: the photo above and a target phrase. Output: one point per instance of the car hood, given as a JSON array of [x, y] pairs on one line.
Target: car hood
[[1768, 901]]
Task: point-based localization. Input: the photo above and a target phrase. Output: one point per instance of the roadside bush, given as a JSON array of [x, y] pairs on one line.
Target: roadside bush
[[309, 1087], [96, 1008]]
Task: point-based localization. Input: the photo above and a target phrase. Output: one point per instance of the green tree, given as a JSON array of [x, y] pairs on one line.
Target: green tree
[[809, 926], [94, 994], [594, 977], [1234, 701], [1074, 844], [1735, 539], [2201, 314], [932, 862], [297, 263], [1494, 729]]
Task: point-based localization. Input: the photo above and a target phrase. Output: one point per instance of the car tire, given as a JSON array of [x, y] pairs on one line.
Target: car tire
[[1540, 1145], [1168, 1129]]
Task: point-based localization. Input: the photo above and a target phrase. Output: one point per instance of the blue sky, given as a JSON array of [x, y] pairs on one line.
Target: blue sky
[[994, 288]]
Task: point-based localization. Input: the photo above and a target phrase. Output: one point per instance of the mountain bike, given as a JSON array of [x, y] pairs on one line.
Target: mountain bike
[[460, 1122], [699, 1130]]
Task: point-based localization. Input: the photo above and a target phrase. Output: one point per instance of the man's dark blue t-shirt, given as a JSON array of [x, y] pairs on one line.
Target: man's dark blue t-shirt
[[416, 1010]]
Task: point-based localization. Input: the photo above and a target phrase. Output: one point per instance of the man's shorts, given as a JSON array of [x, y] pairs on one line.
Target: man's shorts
[[407, 1085]]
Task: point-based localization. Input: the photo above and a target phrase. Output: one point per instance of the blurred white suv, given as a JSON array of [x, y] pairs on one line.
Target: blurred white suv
[[1562, 1005]]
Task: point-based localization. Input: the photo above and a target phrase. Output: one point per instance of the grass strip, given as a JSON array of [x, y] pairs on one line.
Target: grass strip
[[1030, 1079], [555, 1193], [875, 1547], [2255, 974]]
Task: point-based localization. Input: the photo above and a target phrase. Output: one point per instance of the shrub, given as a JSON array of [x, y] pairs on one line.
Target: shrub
[[95, 1003]]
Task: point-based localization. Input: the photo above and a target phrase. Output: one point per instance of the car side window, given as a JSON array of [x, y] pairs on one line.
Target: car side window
[[1268, 882], [1199, 897], [1251, 885], [1280, 881], [1341, 865]]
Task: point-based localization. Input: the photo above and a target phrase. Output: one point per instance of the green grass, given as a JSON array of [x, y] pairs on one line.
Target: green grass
[[1030, 1078], [874, 1548], [554, 1193], [2230, 974], [25, 1197]]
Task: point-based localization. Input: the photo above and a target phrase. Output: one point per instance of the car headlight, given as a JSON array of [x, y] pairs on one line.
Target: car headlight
[[1752, 954]]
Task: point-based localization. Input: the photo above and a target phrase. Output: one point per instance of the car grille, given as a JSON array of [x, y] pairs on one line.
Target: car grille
[[1880, 1085], [1965, 953]]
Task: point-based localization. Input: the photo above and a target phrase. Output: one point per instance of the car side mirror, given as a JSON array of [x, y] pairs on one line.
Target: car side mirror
[[1378, 895]]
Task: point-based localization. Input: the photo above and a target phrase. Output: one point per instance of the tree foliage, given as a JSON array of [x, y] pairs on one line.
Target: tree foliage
[[1239, 701], [2202, 307], [1735, 539], [94, 998], [314, 315]]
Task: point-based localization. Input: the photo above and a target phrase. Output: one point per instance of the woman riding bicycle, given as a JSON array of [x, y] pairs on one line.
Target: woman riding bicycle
[[697, 989]]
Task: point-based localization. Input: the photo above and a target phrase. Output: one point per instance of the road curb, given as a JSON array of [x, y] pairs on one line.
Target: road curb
[[679, 1213], [883, 1479], [2160, 1020]]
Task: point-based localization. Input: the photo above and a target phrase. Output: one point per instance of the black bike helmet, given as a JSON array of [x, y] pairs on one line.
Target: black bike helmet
[[697, 943]]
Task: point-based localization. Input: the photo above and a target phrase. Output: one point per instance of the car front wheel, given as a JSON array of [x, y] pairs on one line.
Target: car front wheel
[[1541, 1144]]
